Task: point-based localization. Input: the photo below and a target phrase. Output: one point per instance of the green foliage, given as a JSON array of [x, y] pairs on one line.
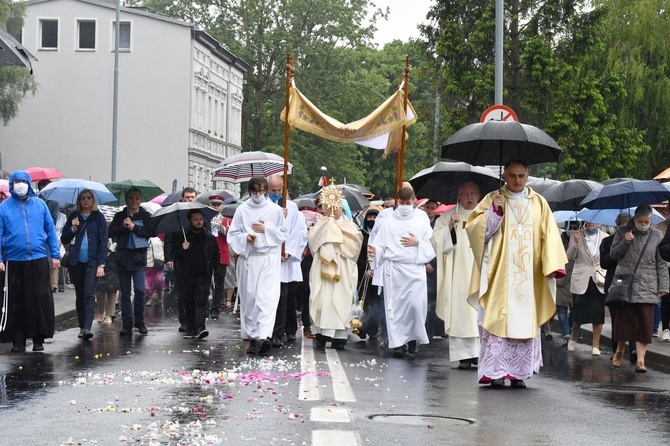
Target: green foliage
[[15, 82]]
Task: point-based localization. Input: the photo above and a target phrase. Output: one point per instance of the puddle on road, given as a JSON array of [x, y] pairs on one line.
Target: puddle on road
[[627, 389], [421, 420]]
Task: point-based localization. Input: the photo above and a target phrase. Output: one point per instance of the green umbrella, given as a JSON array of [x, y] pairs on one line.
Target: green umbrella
[[119, 188]]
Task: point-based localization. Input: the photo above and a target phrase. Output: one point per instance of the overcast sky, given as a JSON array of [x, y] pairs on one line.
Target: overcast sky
[[403, 20]]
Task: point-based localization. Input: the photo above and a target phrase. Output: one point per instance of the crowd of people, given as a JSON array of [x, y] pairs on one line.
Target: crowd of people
[[490, 274]]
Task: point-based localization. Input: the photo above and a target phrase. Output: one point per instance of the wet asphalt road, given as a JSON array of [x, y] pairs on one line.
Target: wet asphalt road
[[161, 389]]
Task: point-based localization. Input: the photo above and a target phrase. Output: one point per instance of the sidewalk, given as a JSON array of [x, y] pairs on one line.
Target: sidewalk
[[658, 352]]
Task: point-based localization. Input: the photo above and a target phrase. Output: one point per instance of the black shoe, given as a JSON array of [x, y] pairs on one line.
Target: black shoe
[[498, 383], [290, 338], [81, 333], [53, 290], [253, 348], [264, 346], [86, 334], [412, 347], [19, 347], [61, 289], [142, 329], [320, 340], [633, 357], [517, 384], [203, 334], [338, 344], [127, 330], [276, 342], [399, 352], [190, 335], [214, 316], [38, 347], [183, 329], [548, 337], [464, 364], [565, 341]]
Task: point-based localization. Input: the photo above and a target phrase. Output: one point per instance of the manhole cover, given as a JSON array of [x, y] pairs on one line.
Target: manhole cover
[[627, 389], [421, 420]]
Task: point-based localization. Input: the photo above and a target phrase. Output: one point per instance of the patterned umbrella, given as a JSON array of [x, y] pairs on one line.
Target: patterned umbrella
[[242, 167]]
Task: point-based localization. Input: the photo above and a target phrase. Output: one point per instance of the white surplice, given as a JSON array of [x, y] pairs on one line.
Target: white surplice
[[296, 230], [454, 267], [403, 271], [258, 266]]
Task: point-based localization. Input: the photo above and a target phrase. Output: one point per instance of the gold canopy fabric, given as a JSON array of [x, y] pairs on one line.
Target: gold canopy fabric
[[381, 129]]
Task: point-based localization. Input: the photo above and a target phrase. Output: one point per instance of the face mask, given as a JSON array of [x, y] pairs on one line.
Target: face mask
[[21, 189], [274, 198], [405, 210], [592, 231], [370, 224], [257, 199], [642, 228]]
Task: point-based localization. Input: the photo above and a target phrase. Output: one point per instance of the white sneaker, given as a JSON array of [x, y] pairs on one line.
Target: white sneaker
[[595, 351], [666, 335], [572, 345]]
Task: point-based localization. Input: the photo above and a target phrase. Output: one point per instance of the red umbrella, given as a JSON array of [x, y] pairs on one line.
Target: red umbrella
[[44, 173]]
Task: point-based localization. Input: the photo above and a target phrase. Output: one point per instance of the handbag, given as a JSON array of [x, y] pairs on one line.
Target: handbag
[[158, 263], [622, 284], [135, 241]]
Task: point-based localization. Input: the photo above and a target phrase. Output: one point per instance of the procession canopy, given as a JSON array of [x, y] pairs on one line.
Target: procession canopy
[[381, 129]]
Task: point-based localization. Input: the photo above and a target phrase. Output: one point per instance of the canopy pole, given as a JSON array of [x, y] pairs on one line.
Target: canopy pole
[[400, 156], [290, 71]]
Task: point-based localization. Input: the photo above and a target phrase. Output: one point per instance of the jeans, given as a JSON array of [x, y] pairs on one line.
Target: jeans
[[84, 280], [132, 312], [563, 320]]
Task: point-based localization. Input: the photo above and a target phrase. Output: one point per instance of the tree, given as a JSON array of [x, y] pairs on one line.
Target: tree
[[15, 82], [552, 78]]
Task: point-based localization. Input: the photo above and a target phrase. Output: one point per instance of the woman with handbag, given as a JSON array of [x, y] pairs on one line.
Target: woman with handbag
[[586, 284], [635, 247]]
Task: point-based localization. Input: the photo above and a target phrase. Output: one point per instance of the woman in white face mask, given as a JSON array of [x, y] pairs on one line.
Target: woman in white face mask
[[635, 247]]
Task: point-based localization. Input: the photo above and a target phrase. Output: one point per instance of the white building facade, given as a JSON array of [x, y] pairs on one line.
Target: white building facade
[[179, 102]]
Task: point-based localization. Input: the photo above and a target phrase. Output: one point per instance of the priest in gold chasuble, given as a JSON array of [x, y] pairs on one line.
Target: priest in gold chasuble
[[518, 253]]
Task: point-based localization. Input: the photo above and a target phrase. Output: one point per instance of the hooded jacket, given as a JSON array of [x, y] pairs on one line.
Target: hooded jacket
[[26, 226]]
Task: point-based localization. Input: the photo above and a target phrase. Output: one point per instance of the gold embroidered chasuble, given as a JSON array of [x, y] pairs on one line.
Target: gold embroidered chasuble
[[515, 291]]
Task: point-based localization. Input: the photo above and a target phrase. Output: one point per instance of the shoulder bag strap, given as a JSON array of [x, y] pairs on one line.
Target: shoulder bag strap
[[641, 254]]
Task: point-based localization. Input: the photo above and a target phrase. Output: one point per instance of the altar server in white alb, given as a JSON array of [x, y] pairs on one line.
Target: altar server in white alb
[[401, 250], [256, 234], [454, 267], [291, 273]]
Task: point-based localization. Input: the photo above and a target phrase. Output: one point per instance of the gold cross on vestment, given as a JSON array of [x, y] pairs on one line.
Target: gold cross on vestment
[[332, 180]]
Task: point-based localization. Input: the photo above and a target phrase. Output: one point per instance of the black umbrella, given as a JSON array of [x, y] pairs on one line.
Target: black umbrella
[[627, 194], [174, 218], [229, 210], [305, 203], [204, 197], [568, 195], [539, 185], [173, 198], [440, 182], [614, 181], [362, 189], [498, 142], [12, 53]]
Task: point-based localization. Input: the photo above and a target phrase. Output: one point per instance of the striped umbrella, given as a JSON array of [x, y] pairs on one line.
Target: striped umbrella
[[242, 167]]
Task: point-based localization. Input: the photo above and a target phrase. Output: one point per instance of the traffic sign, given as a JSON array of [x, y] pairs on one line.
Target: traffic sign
[[499, 113]]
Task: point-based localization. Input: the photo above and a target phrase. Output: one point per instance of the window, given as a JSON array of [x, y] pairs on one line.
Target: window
[[124, 36], [49, 34], [86, 31]]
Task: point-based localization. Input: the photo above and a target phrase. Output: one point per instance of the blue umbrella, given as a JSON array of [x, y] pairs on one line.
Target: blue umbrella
[[627, 194], [608, 216], [66, 191], [561, 216]]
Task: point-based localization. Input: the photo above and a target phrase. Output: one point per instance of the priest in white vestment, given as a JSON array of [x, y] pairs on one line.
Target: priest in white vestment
[[401, 250], [256, 234], [335, 243], [454, 267], [518, 253]]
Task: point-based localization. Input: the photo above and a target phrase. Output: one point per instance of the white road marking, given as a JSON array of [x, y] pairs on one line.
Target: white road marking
[[330, 415], [309, 382], [334, 438], [341, 387]]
